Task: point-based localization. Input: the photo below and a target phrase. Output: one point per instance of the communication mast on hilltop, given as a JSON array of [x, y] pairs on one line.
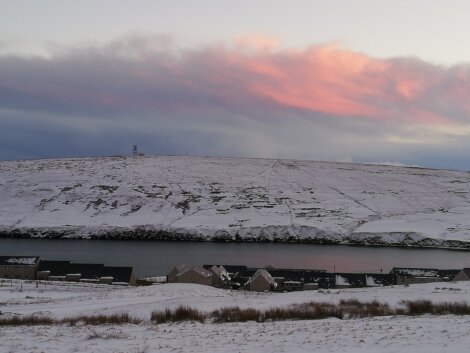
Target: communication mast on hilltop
[[134, 151]]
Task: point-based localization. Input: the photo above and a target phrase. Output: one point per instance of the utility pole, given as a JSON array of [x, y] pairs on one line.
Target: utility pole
[[134, 150]]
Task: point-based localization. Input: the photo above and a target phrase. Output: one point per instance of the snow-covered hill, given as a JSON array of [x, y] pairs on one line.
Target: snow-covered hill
[[380, 334], [199, 198]]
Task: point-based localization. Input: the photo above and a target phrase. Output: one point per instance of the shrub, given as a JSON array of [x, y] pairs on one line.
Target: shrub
[[457, 308], [102, 319], [28, 320], [235, 314], [181, 313], [419, 307]]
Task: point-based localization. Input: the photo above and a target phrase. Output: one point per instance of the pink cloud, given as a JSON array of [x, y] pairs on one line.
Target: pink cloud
[[330, 80], [254, 74]]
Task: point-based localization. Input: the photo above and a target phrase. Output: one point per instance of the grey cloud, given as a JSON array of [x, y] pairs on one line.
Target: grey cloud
[[101, 100]]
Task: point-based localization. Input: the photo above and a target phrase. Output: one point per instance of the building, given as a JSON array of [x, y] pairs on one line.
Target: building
[[261, 281], [19, 267], [195, 274], [290, 286], [91, 273], [341, 282], [175, 271], [463, 275], [220, 276], [415, 272], [405, 276], [310, 286]]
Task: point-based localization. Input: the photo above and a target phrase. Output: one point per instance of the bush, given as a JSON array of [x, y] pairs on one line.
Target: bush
[[421, 307], [235, 314], [181, 313], [28, 320], [102, 319]]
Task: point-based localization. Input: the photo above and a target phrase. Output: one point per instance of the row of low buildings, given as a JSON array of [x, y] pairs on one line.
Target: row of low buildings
[[36, 268], [227, 276], [273, 279]]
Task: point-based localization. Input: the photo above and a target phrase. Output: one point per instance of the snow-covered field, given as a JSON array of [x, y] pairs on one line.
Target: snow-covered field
[[236, 199], [428, 333]]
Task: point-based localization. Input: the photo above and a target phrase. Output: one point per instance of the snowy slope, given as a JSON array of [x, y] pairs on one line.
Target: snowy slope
[[446, 333], [202, 198]]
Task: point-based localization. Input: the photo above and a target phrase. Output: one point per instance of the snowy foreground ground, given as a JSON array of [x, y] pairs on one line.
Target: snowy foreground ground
[[428, 333], [197, 198]]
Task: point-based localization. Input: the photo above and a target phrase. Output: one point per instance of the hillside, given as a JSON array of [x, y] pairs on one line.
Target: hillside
[[379, 334], [231, 199]]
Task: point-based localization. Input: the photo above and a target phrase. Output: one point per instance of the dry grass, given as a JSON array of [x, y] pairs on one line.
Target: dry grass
[[345, 309], [235, 314], [26, 320], [181, 313], [422, 307], [102, 319]]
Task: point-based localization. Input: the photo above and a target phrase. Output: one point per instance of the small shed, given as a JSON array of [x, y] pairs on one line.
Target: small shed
[[261, 281], [292, 285], [341, 282], [43, 275], [310, 286], [106, 279], [371, 281], [73, 277]]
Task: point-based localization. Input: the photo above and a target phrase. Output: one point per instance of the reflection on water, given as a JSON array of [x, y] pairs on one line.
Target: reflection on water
[[158, 257]]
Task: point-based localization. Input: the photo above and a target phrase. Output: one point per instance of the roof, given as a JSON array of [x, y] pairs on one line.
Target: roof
[[181, 267], [341, 281], [263, 274], [200, 270], [466, 271], [412, 271], [220, 272], [90, 271], [19, 260]]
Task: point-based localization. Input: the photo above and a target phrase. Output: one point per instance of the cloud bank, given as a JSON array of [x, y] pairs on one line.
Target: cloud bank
[[247, 98]]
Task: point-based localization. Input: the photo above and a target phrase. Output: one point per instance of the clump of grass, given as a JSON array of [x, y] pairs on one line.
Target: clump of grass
[[419, 307], [456, 308], [26, 320], [356, 308], [422, 307], [181, 313], [236, 314], [102, 319], [299, 312]]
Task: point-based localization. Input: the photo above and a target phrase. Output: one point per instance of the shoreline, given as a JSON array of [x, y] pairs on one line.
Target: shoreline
[[400, 240]]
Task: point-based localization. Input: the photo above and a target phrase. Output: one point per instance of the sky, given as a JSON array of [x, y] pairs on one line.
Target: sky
[[359, 81]]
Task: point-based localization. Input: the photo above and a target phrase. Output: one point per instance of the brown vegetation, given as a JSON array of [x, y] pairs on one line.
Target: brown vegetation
[[345, 309]]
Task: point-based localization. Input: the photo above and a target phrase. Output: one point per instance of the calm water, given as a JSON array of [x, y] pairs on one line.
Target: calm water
[[150, 258]]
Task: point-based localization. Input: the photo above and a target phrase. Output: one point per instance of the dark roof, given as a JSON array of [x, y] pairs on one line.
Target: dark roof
[[19, 260], [416, 272], [450, 273], [229, 268], [119, 274], [466, 271], [61, 268], [277, 272]]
